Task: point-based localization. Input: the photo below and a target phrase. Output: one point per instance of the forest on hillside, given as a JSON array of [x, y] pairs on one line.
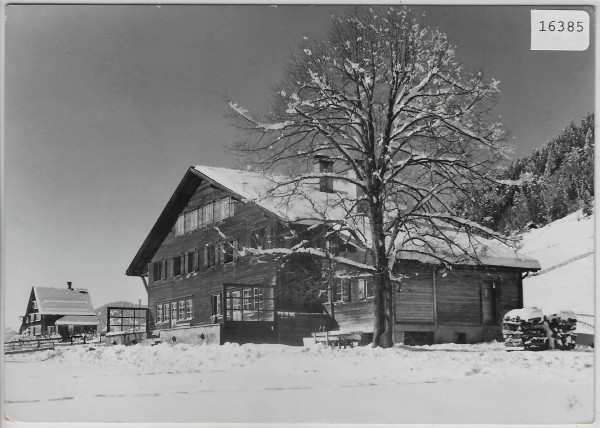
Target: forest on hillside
[[546, 185]]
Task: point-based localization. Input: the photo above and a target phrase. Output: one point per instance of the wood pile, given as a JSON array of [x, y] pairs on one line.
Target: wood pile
[[524, 329], [561, 328]]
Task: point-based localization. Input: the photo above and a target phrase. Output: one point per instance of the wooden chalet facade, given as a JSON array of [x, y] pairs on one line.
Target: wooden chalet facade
[[65, 312], [204, 286]]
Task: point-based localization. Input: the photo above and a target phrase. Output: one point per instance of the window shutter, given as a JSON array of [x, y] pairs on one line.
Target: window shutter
[[268, 237], [164, 269], [150, 272], [206, 257], [236, 247]]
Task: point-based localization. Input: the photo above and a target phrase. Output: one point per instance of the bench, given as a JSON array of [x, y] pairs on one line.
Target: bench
[[336, 338]]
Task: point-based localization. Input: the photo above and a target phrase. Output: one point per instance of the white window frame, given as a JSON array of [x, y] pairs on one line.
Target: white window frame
[[189, 308], [174, 311], [181, 309], [159, 313]]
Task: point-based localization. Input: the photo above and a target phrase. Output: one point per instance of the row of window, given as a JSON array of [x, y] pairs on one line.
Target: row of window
[[345, 290], [182, 310], [245, 303], [33, 317], [206, 215], [213, 255], [218, 253]]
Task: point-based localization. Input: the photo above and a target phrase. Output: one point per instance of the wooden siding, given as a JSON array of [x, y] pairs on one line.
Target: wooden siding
[[457, 297], [200, 285], [414, 303], [354, 313]]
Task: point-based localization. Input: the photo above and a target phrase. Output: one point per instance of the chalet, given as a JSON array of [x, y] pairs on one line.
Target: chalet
[[63, 311], [212, 274]]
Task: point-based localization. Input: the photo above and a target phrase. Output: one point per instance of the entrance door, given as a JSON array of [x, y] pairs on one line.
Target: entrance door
[[489, 314]]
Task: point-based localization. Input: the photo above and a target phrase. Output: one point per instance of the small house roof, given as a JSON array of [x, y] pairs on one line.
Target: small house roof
[[77, 320], [63, 301], [489, 252]]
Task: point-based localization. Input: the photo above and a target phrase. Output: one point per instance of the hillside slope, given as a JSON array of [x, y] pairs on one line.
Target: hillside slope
[[565, 250]]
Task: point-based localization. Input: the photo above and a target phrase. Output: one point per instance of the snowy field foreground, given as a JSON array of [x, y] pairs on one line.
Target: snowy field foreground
[[276, 383]]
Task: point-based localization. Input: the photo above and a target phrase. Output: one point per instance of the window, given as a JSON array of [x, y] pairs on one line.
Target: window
[[258, 238], [342, 290], [50, 329], [207, 214], [180, 226], [189, 308], [192, 261], [191, 220], [165, 312], [174, 311], [217, 305], [182, 309], [365, 288], [159, 314], [248, 297], [210, 255], [157, 271], [177, 265], [258, 299], [229, 251], [35, 305]]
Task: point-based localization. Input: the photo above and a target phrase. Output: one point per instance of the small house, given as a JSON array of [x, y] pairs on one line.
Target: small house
[[63, 311]]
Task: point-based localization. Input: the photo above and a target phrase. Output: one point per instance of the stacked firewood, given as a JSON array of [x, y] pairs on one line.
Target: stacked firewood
[[523, 329], [561, 328]]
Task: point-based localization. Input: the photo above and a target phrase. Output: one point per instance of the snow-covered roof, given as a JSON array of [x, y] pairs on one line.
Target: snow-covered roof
[[300, 203], [489, 252], [77, 320], [289, 201], [63, 301]]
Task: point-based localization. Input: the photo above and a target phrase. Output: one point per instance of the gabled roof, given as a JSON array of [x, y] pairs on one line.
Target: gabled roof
[[63, 301], [307, 202]]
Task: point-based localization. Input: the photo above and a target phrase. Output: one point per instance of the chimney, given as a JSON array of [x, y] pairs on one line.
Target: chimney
[[69, 285], [323, 163]]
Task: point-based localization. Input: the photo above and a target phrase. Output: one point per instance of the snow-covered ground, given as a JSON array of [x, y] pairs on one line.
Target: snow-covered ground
[[276, 383], [564, 249]]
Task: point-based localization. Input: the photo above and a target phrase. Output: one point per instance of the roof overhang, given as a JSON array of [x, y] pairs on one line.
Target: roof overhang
[[178, 201], [77, 320]]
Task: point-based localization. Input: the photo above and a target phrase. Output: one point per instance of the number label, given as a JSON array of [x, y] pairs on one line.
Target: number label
[[567, 30]]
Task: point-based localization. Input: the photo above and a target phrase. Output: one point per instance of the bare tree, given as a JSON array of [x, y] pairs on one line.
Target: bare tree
[[385, 98]]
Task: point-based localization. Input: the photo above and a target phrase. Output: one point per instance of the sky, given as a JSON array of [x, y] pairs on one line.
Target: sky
[[107, 106]]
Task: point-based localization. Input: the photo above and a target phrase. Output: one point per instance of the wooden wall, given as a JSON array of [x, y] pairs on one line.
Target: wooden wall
[[414, 301], [201, 284], [457, 294], [353, 314], [455, 299]]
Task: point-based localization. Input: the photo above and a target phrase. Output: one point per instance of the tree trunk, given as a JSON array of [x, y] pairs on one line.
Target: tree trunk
[[383, 303]]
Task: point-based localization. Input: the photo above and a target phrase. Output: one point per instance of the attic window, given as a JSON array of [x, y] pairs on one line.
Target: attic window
[[180, 226], [206, 215]]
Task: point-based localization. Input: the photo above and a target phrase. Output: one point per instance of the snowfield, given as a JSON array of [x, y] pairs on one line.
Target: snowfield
[[565, 250], [276, 383], [449, 384]]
